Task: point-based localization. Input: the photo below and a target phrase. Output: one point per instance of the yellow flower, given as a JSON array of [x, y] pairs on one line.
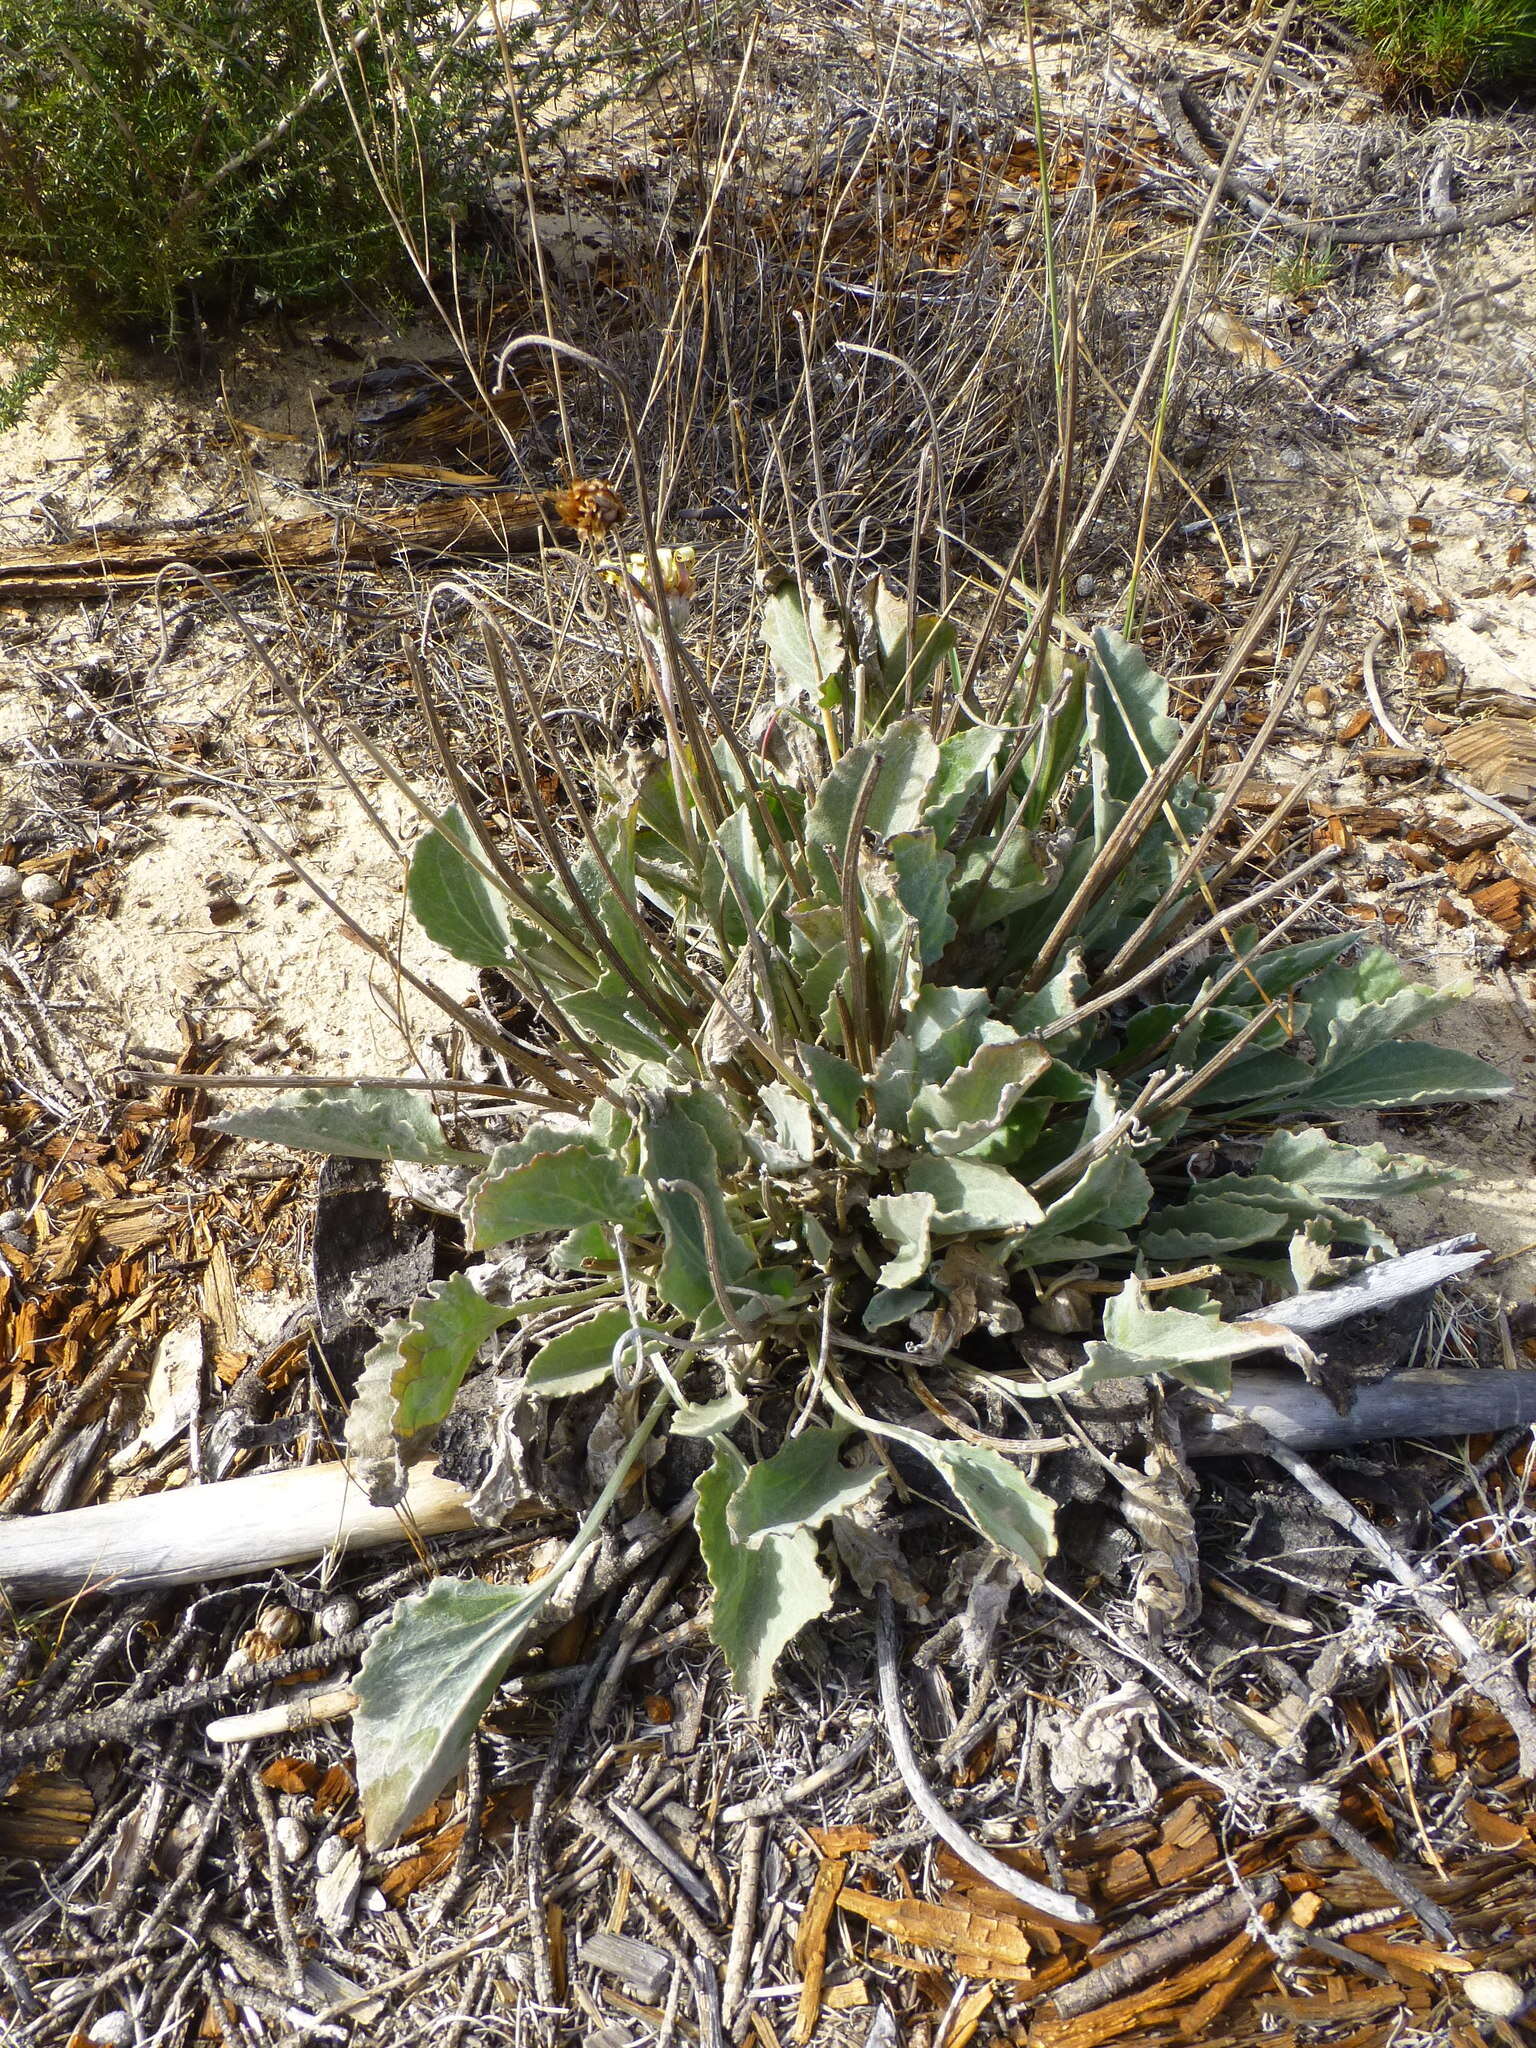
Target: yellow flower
[[678, 584]]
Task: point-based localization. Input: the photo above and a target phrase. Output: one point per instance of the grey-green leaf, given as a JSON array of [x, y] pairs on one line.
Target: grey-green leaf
[[1111, 1196], [975, 1099], [1348, 1173], [441, 1339], [682, 1170], [1404, 1075], [351, 1123], [971, 1195], [425, 1680], [763, 1597], [1140, 1339], [905, 1221], [905, 760], [797, 1488], [578, 1360], [1008, 1511], [559, 1189], [804, 642], [452, 901]]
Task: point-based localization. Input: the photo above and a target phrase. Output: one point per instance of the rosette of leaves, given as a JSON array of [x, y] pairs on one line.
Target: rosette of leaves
[[857, 1035]]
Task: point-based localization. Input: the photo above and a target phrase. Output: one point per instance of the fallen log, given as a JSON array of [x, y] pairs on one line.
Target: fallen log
[[475, 522], [247, 1526]]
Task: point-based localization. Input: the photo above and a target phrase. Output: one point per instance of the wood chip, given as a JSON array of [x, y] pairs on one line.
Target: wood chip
[[811, 1943], [982, 1944], [644, 1968], [1498, 755]]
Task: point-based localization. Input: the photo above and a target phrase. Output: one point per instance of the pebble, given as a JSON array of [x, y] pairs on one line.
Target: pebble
[[10, 882], [43, 889], [1086, 584], [372, 1900], [1492, 1992], [1476, 621], [329, 1854], [112, 2030], [339, 1616], [292, 1839]]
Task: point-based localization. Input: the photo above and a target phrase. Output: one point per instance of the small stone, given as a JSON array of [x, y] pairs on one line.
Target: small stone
[[372, 1900], [339, 1616], [10, 882], [1492, 1992], [1476, 621], [112, 2030], [292, 1839], [329, 1854], [1086, 584], [44, 889]]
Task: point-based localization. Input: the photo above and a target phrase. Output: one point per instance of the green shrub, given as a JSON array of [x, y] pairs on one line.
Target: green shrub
[[1445, 45], [163, 162], [859, 1041]]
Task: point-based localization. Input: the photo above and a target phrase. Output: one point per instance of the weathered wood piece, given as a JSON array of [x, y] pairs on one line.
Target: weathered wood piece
[[1374, 1288], [479, 522], [1276, 1404], [216, 1532]]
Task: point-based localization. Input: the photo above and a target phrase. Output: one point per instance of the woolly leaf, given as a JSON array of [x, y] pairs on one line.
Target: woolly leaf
[[1348, 1173], [682, 1170], [971, 1195], [425, 1680], [1404, 1075], [905, 760], [763, 1597], [351, 1123], [572, 1183], [797, 1488], [805, 645], [906, 1222], [1199, 1349], [578, 1360], [452, 901], [973, 1102]]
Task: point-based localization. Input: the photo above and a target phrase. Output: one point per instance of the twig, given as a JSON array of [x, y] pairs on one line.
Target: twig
[[772, 1804], [101, 1374], [1364, 350], [1058, 1905], [16, 1979], [1183, 113], [406, 1980], [1490, 1678], [744, 1919], [650, 1872], [282, 1917], [1122, 1657], [1163, 1952], [287, 1717], [120, 1722]]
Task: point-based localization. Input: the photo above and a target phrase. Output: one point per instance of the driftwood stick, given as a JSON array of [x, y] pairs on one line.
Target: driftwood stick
[[234, 1527], [1268, 1405]]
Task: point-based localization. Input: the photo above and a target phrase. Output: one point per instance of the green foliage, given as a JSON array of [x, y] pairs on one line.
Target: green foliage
[[1445, 45], [873, 1032], [157, 161]]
